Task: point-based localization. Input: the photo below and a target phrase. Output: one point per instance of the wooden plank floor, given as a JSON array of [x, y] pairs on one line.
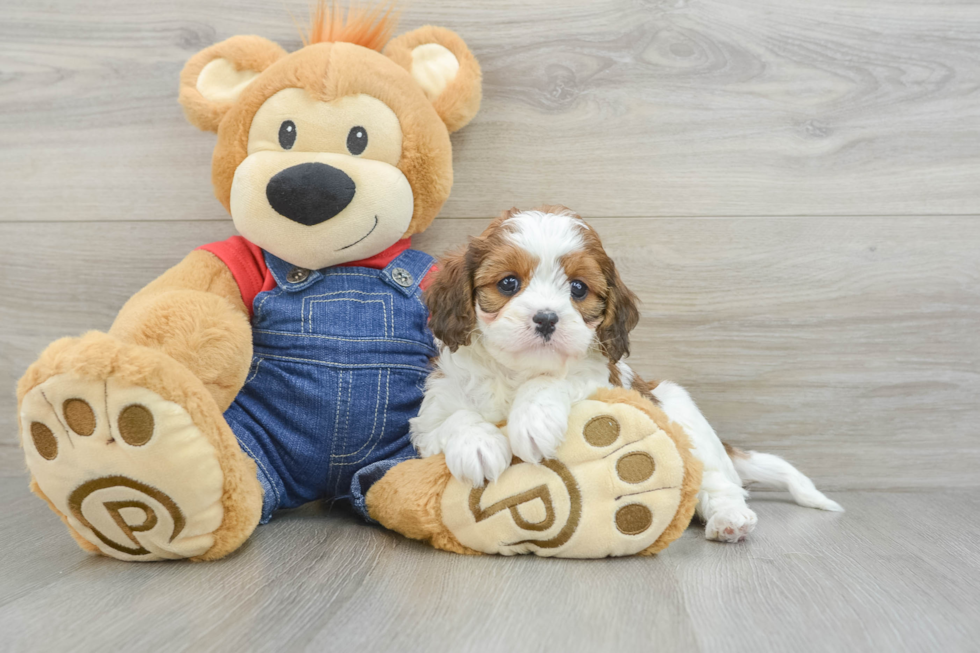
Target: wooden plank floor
[[897, 572], [792, 188]]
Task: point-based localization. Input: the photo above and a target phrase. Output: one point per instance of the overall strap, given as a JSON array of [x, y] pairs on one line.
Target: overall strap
[[289, 277], [407, 270]]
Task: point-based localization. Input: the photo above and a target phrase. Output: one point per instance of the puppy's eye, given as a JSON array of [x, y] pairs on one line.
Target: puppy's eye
[[356, 140], [509, 285], [287, 134], [579, 289]]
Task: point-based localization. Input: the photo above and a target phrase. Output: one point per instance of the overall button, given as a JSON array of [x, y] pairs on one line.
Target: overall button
[[402, 277], [297, 275]]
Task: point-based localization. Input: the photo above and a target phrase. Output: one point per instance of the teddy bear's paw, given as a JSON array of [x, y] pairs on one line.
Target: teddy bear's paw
[[128, 470], [612, 490]]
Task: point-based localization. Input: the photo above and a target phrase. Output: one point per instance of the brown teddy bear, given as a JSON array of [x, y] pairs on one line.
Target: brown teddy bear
[[282, 366]]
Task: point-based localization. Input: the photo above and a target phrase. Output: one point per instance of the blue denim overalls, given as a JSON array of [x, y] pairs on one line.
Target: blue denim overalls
[[339, 366]]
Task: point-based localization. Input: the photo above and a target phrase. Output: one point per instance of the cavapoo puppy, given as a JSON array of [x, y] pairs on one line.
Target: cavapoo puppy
[[532, 316]]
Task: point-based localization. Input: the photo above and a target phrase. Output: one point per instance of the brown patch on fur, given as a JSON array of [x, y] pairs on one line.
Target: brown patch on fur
[[501, 261], [452, 295], [645, 388], [584, 267], [449, 298], [615, 378], [620, 313], [735, 452]]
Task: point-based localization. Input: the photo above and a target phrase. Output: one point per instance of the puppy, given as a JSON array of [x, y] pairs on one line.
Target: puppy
[[532, 317]]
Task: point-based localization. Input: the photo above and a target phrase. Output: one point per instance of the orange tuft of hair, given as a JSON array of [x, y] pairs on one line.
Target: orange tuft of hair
[[370, 28]]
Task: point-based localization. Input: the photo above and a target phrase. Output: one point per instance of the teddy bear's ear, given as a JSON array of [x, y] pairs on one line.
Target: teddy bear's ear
[[444, 67], [214, 77]]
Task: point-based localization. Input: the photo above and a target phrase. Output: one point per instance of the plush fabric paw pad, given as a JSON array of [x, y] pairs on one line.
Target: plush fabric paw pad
[[612, 490], [129, 470]]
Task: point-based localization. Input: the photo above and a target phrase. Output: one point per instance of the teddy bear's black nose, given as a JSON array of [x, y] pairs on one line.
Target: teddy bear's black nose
[[310, 193]]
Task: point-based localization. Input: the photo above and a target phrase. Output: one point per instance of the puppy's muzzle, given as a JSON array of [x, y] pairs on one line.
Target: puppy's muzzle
[[545, 321], [310, 193]]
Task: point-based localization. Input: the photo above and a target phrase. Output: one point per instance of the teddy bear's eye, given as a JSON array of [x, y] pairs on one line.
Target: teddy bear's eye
[[287, 134], [356, 140]]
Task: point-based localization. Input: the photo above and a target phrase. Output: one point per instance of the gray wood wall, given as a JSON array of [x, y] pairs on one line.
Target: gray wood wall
[[792, 187]]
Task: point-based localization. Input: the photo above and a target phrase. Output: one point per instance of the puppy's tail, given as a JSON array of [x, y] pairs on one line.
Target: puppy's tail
[[767, 470]]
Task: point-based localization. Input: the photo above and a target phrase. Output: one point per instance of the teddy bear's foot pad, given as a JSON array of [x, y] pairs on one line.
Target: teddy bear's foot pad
[[129, 471], [612, 490]]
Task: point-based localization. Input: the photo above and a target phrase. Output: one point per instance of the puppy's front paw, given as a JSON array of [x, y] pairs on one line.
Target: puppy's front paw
[[478, 453], [536, 431]]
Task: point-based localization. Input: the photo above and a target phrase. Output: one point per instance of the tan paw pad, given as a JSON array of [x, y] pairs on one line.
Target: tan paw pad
[[129, 470]]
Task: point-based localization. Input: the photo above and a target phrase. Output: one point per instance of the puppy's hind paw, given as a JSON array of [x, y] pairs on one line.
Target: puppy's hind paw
[[730, 525]]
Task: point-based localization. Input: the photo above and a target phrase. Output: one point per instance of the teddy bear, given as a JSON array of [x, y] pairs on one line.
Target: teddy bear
[[282, 366]]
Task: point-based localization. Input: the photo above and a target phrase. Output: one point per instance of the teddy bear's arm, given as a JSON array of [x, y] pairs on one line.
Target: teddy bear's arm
[[195, 314]]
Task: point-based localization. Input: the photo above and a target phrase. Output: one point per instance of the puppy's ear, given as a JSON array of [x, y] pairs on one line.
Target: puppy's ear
[[442, 64], [214, 78], [452, 316], [621, 315]]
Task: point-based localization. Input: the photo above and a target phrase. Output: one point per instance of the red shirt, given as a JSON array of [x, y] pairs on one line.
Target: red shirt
[[247, 265]]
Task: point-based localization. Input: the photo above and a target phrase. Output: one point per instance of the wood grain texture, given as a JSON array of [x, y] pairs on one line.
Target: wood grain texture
[[616, 107], [848, 345], [322, 580]]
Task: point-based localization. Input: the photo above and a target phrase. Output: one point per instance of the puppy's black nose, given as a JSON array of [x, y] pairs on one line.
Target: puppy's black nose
[[310, 193], [546, 321]]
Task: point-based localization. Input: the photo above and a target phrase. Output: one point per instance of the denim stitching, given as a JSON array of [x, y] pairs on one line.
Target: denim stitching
[[255, 372], [352, 274], [272, 483], [377, 402], [312, 299], [336, 419], [350, 398], [384, 309], [384, 422], [339, 338], [268, 294], [314, 361], [384, 417]]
